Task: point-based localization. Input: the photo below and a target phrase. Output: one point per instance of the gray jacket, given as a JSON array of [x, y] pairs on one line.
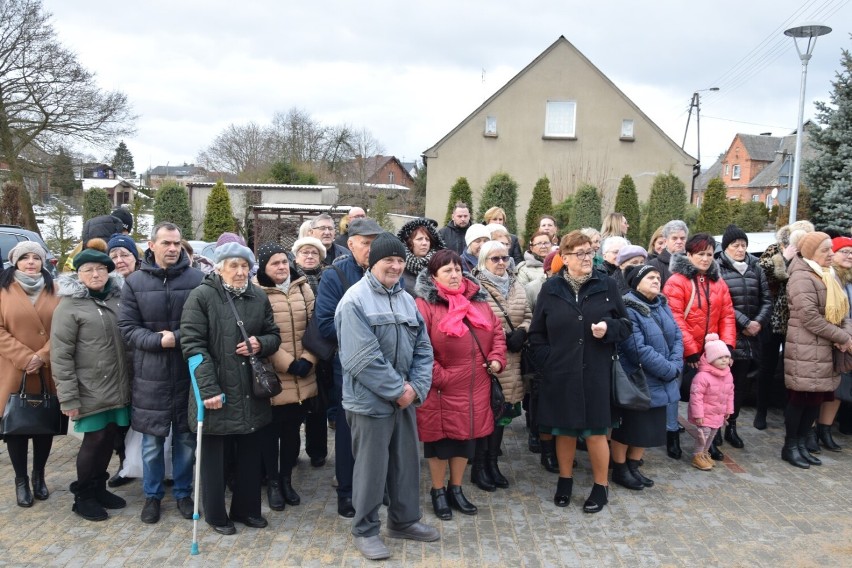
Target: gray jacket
[[383, 344]]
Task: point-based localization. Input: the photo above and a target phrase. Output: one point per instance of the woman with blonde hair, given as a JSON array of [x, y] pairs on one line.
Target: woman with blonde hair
[[498, 215], [657, 244], [615, 225]]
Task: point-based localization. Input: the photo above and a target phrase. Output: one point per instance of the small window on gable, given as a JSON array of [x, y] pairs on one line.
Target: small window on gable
[[627, 129], [491, 126], [736, 173], [727, 169], [560, 119]]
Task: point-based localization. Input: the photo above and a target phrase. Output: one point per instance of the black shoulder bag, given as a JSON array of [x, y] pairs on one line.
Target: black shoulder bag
[[498, 399], [264, 384], [312, 339], [33, 414], [629, 391]]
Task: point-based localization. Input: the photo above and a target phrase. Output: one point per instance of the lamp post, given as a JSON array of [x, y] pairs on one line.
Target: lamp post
[[811, 32], [695, 102]]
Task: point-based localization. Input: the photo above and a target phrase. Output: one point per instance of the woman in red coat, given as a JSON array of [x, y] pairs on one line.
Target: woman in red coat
[[467, 339], [701, 303]]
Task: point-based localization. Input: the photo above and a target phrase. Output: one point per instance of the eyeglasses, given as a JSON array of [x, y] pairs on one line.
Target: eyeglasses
[[118, 255], [845, 252], [582, 255], [496, 259], [542, 244], [304, 252], [89, 270], [324, 228]]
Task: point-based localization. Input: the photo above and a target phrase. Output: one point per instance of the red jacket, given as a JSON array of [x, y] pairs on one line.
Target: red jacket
[[459, 403], [712, 310]]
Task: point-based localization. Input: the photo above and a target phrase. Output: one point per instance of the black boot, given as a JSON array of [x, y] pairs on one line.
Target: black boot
[[440, 504], [533, 443], [633, 466], [597, 499], [107, 499], [40, 491], [811, 441], [290, 495], [548, 456], [715, 453], [274, 497], [495, 473], [731, 435], [85, 503], [760, 419], [673, 445], [479, 475], [458, 501], [823, 434], [22, 492], [624, 477], [803, 451], [717, 439], [791, 454], [563, 491]]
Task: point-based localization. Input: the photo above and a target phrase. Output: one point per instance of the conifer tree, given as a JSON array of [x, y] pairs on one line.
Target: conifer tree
[[715, 214], [501, 191], [562, 213], [62, 174], [666, 202], [218, 217], [627, 202], [752, 217], [171, 203], [587, 208], [541, 203], [459, 192], [380, 213], [95, 203]]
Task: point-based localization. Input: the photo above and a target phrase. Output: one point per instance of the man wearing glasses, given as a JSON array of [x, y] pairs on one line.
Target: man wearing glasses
[[322, 228]]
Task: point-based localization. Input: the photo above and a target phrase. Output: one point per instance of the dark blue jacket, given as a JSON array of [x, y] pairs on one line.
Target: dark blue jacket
[[657, 343], [329, 293], [152, 301]]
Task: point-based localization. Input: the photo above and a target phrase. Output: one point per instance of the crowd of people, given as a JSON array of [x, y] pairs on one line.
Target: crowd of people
[[396, 339]]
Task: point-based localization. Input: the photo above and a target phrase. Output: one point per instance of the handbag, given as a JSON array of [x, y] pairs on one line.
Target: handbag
[[313, 341], [842, 360], [33, 414], [498, 399], [844, 391], [264, 384], [629, 391]]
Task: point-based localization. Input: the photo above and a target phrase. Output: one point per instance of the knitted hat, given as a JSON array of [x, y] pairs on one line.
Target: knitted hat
[[312, 242], [225, 238], [364, 226], [548, 261], [23, 248], [634, 274], [92, 255], [125, 217], [733, 233], [385, 245], [476, 231], [557, 263], [810, 243], [233, 250], [715, 347], [264, 253], [628, 252], [125, 242], [838, 243]]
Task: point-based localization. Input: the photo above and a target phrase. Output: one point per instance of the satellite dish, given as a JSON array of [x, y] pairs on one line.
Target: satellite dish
[[774, 193]]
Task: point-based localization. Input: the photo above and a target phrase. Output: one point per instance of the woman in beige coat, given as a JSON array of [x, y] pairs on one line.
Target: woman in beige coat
[[27, 301], [292, 305], [819, 322], [508, 301]]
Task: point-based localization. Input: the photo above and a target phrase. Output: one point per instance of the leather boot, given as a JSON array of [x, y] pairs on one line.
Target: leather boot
[[290, 495], [105, 498], [811, 442], [633, 466], [85, 503], [731, 435], [715, 453], [459, 502], [548, 456], [440, 504], [673, 445], [790, 453], [564, 485], [760, 419], [495, 473], [598, 498], [803, 451], [717, 439], [479, 475], [533, 443], [624, 477], [274, 497], [22, 492], [40, 491], [823, 435]]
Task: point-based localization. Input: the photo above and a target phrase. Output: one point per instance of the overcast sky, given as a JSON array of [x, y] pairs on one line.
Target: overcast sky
[[411, 71]]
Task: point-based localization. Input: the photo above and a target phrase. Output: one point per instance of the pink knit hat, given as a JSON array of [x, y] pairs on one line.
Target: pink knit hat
[[715, 348]]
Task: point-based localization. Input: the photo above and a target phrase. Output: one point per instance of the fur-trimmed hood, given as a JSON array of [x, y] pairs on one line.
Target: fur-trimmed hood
[[845, 275], [681, 265], [71, 287], [431, 227], [644, 309], [425, 288]]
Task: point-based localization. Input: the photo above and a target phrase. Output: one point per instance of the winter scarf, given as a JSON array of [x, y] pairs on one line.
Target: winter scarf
[[460, 308], [836, 302], [32, 286]]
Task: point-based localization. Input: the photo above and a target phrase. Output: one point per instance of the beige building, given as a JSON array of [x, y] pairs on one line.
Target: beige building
[[562, 118]]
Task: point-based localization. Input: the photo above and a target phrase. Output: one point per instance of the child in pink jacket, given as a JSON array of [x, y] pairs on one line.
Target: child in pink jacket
[[711, 398]]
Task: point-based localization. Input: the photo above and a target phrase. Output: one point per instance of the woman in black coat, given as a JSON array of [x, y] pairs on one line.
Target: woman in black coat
[[752, 308], [579, 319]]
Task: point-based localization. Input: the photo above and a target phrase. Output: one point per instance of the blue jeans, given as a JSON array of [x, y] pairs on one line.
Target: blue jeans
[[154, 466]]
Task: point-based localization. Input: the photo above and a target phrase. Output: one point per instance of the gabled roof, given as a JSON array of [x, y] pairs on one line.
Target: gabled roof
[[560, 41], [714, 171], [372, 165], [177, 171], [759, 147]]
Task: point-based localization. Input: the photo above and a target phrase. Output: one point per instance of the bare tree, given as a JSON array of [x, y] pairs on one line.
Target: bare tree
[[47, 98], [298, 138], [244, 150]]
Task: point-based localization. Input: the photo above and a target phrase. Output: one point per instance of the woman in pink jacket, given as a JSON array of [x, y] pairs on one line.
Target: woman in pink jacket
[[711, 398]]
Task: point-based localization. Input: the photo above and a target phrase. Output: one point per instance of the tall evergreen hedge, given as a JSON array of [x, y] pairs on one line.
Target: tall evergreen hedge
[[218, 217], [501, 191]]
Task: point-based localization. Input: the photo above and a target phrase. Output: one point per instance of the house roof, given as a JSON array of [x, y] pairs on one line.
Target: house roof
[[760, 147], [714, 171], [177, 171], [260, 185], [373, 164], [560, 41]]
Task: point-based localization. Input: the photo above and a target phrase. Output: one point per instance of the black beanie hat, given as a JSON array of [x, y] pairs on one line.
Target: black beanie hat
[[634, 274], [125, 217], [264, 253], [733, 233], [386, 245]]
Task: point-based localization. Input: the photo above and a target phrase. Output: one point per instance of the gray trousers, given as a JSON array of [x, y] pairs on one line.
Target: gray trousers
[[386, 455]]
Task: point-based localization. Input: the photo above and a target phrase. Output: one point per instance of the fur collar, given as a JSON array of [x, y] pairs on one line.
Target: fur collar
[[681, 265], [69, 286], [425, 288]]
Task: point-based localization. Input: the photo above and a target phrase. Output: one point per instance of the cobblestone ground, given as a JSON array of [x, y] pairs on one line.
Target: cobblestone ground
[[754, 510]]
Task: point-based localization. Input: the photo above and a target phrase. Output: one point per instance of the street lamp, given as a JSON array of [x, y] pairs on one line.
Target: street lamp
[[695, 103], [811, 32]]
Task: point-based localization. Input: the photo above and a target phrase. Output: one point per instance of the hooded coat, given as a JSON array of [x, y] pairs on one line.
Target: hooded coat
[[711, 396], [459, 403], [711, 310], [750, 299]]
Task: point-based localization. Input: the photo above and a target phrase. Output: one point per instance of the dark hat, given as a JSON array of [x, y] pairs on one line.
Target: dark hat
[[226, 238], [431, 227], [733, 233], [125, 242], [385, 245], [634, 274], [364, 226], [264, 253], [92, 255], [125, 217]]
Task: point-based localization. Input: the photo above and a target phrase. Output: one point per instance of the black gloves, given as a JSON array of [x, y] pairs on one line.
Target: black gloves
[[693, 358], [300, 368], [515, 340]]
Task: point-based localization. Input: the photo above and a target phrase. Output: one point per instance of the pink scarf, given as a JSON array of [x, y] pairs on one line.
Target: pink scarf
[[460, 308]]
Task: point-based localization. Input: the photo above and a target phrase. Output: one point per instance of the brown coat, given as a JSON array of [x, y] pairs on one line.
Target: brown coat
[[24, 332], [291, 312], [810, 337], [521, 316]]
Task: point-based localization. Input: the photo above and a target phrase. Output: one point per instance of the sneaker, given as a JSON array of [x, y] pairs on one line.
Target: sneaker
[[151, 511], [699, 462]]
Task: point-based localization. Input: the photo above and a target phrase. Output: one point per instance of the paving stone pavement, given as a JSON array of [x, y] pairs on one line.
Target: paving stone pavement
[[762, 513]]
